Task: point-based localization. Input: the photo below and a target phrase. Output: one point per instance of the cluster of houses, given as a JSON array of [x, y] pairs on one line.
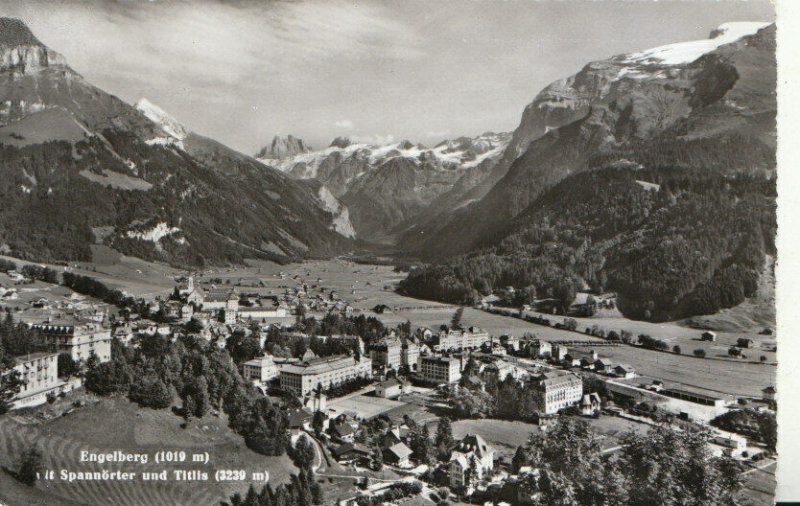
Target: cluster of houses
[[471, 461], [561, 354], [229, 305]]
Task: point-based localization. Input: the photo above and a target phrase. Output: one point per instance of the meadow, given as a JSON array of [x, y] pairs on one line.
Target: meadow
[[105, 425]]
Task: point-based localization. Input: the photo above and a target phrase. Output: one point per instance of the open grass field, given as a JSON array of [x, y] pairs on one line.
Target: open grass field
[[723, 376], [43, 126], [687, 338], [131, 275], [503, 435], [114, 424]]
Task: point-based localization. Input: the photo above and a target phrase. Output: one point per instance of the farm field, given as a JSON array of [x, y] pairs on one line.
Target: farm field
[[115, 424], [724, 376], [687, 338]]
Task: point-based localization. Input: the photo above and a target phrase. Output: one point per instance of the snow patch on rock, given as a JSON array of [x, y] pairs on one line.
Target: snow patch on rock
[[166, 142], [341, 216], [682, 53], [155, 234], [157, 115]]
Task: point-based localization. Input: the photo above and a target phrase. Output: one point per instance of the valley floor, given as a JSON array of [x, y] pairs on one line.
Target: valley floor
[[365, 286]]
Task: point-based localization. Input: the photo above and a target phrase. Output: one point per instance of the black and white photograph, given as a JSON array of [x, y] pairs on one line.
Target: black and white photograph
[[411, 253]]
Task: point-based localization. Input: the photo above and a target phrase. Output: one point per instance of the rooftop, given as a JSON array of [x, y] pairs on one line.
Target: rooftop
[[321, 365]]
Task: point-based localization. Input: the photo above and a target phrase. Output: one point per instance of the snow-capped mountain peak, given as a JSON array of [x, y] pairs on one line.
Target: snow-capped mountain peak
[[168, 124], [460, 153], [683, 53]]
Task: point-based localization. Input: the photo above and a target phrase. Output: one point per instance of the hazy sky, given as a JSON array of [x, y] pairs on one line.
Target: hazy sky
[[242, 71]]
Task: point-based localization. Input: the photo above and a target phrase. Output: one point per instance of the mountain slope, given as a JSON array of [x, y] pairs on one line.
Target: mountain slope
[[636, 106], [671, 242], [79, 166], [662, 189], [387, 187]]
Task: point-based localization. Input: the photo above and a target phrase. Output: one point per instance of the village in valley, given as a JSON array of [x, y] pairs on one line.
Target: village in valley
[[383, 398]]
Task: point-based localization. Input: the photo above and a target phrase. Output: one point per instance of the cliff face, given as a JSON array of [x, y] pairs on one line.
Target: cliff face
[[709, 90], [388, 187], [281, 147]]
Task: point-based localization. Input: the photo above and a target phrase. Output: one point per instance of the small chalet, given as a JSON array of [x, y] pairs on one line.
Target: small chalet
[[398, 455], [604, 365], [708, 336], [389, 389], [579, 359], [590, 404], [342, 431], [624, 371], [349, 453], [298, 418]]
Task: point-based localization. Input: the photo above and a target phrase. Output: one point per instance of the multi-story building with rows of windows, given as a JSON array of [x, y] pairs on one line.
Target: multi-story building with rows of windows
[[387, 353], [39, 375], [79, 339], [260, 370], [471, 339], [304, 377], [439, 369], [560, 389]]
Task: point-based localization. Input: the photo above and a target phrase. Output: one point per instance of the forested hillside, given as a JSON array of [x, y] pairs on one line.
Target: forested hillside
[[152, 202], [672, 242]]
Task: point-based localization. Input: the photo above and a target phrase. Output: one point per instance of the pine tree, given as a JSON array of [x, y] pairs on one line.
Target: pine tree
[[444, 441]]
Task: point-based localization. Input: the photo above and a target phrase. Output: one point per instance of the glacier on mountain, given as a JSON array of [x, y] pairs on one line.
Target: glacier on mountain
[[682, 53]]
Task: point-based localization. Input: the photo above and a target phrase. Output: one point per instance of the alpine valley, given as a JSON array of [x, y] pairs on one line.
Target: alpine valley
[[650, 174], [580, 311]]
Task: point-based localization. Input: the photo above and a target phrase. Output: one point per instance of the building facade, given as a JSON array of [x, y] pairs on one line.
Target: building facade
[[260, 370], [387, 353], [39, 375], [80, 341], [559, 389], [439, 369], [471, 338], [471, 461], [409, 355], [303, 377]]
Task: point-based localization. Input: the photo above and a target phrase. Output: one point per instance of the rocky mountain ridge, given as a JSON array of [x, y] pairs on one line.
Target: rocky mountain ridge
[[682, 94], [283, 147], [80, 168], [386, 186]]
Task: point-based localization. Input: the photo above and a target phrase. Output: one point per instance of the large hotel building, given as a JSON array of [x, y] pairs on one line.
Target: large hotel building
[[560, 389], [79, 339], [439, 369], [302, 378]]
